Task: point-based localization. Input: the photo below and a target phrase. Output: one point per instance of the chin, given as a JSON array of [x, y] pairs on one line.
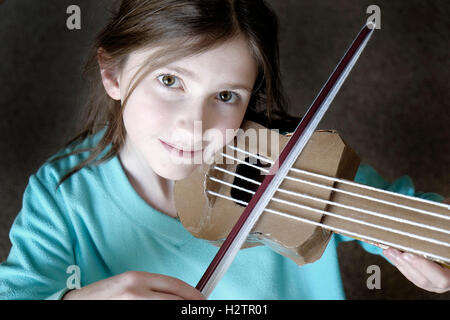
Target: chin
[[177, 172]]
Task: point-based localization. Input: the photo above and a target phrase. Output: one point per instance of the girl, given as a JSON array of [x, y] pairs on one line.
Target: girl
[[100, 214]]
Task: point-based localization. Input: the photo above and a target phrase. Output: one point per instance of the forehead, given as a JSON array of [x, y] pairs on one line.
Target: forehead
[[228, 61]]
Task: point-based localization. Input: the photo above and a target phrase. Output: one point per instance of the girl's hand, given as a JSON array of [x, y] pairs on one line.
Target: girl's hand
[[423, 273], [135, 285]]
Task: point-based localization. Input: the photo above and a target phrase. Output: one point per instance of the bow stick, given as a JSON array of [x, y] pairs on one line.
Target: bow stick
[[283, 164]]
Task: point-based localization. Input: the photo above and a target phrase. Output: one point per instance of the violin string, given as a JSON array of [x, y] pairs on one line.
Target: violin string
[[334, 179], [373, 213], [437, 215], [328, 213], [340, 230]]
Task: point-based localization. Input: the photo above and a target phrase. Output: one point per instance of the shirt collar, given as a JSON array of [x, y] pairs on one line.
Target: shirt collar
[[138, 210]]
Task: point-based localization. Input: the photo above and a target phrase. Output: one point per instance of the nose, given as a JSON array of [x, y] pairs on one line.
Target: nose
[[189, 122], [190, 112]]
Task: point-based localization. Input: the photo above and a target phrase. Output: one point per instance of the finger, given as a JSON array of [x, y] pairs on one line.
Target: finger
[[438, 276], [147, 295], [164, 296], [420, 271], [395, 256], [165, 284]]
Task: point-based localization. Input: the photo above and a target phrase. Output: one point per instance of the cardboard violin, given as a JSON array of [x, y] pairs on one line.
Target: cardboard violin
[[318, 197]]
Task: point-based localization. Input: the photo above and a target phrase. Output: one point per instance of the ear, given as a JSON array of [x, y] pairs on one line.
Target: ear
[[109, 74]]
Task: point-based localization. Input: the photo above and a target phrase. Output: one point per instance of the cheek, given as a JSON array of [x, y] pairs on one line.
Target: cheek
[[144, 117]]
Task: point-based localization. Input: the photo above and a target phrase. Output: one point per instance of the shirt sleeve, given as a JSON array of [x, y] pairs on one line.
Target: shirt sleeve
[[41, 249], [404, 185]]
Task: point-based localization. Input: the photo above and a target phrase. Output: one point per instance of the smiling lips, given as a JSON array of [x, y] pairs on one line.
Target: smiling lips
[[181, 152]]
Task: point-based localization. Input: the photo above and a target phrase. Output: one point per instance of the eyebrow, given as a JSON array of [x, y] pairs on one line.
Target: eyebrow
[[194, 76]]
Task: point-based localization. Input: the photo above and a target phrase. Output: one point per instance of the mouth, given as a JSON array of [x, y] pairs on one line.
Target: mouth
[[180, 151]]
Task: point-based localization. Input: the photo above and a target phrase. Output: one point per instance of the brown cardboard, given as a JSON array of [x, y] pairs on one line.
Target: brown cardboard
[[210, 217], [326, 154], [401, 235]]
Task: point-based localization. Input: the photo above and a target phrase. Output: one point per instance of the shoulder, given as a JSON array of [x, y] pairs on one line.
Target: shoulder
[[55, 167]]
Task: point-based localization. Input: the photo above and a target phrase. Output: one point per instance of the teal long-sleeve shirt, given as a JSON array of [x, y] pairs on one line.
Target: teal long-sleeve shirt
[[97, 224]]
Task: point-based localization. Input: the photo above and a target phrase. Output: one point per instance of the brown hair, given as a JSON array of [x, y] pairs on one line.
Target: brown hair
[[181, 28]]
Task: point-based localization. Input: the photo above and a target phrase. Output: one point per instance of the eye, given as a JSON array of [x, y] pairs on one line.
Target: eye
[[228, 97], [169, 81]]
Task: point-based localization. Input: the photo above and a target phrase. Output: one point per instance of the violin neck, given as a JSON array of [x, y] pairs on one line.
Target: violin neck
[[389, 219]]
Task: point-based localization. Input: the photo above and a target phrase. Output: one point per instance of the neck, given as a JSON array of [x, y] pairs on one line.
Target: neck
[[380, 217], [154, 189]]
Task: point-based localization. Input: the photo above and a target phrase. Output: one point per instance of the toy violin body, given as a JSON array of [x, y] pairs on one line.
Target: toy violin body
[[317, 199], [211, 217]]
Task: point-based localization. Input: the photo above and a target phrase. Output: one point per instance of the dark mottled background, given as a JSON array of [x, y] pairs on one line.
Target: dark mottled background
[[393, 109]]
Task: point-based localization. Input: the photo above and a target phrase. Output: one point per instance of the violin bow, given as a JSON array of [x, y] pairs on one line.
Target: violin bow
[[283, 164]]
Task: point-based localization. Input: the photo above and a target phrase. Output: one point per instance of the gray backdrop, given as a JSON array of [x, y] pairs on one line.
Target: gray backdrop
[[393, 109]]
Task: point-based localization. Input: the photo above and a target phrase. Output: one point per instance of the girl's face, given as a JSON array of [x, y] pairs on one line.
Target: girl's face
[[182, 110]]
